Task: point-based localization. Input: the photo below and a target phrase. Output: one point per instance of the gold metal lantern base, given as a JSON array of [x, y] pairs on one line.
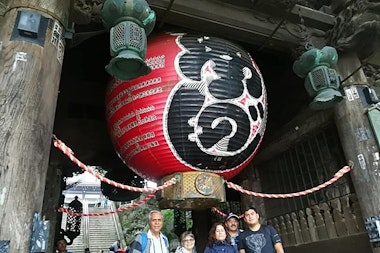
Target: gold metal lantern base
[[193, 190]]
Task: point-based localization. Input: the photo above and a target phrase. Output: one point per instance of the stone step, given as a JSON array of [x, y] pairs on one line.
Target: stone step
[[101, 232]]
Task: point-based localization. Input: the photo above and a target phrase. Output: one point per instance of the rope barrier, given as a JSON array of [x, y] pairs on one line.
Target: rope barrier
[[216, 210], [336, 176], [119, 210], [70, 154]]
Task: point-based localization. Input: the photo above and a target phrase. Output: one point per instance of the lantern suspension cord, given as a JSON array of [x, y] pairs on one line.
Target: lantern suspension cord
[[362, 63], [71, 8], [162, 22], [276, 28], [353, 73], [271, 35], [336, 176], [69, 153]]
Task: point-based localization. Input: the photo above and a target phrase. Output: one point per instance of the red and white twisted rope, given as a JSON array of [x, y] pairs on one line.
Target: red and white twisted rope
[[69, 153], [119, 210], [336, 176], [216, 210]]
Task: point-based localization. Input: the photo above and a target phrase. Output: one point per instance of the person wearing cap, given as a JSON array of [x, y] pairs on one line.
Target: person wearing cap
[[258, 238], [232, 224]]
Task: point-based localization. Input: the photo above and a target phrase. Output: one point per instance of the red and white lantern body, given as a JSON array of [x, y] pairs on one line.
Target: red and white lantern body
[[202, 108]]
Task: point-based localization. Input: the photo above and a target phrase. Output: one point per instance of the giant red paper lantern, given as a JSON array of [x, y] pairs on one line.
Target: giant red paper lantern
[[202, 108]]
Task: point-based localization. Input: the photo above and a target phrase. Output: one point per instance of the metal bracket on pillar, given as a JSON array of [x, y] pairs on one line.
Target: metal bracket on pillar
[[374, 119], [372, 225], [4, 246], [30, 26], [40, 234]]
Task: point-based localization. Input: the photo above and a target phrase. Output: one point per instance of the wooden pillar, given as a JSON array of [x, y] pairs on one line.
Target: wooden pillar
[[29, 79], [201, 225], [251, 181], [53, 199], [357, 138]]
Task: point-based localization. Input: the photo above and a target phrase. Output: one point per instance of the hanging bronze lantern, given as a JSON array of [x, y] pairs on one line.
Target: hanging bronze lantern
[[322, 81]]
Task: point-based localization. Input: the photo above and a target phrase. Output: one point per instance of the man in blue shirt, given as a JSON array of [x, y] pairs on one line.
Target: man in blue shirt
[[232, 224], [153, 241]]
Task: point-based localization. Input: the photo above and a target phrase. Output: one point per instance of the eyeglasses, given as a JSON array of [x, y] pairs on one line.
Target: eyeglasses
[[189, 240]]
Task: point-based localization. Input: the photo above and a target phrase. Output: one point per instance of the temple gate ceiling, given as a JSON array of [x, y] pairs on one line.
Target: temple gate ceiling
[[274, 32]]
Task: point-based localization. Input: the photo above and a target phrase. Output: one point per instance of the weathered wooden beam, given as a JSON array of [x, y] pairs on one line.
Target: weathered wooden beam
[[240, 23], [312, 18], [303, 15], [224, 20]]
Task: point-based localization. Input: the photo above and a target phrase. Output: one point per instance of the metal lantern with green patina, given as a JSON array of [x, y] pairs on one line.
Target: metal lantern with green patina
[[321, 81], [129, 22]]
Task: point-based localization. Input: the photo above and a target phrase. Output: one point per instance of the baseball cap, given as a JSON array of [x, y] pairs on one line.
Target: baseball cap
[[231, 215]]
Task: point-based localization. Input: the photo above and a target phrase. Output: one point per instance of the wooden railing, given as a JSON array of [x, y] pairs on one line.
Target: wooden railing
[[338, 217]]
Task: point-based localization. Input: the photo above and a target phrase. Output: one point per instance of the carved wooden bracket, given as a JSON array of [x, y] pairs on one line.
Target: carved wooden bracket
[[85, 12], [357, 27]]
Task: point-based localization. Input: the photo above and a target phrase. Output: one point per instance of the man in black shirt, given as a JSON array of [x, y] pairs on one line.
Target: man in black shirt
[[258, 238]]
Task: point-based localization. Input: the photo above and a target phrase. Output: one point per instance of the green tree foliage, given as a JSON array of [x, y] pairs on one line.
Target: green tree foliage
[[135, 220]]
